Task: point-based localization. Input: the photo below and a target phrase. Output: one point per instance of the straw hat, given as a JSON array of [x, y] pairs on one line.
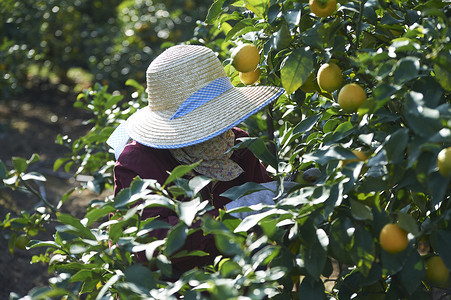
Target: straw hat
[[191, 100]]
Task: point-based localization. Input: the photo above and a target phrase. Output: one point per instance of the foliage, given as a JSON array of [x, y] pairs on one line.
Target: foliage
[[399, 52], [113, 40]]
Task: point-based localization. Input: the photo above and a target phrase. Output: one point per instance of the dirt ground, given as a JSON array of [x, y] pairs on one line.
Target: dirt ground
[[29, 124]]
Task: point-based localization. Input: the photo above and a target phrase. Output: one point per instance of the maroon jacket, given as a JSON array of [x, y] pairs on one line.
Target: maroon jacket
[[152, 163]]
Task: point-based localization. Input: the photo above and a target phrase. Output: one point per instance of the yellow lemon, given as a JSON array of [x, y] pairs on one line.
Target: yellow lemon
[[329, 77], [322, 8], [436, 271], [351, 97], [361, 156], [245, 58], [251, 77], [444, 162], [393, 238]]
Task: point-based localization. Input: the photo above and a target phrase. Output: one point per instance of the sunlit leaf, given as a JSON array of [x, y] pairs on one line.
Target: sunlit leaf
[[296, 68]]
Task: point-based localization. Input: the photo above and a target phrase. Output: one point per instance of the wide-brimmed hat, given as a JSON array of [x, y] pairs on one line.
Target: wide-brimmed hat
[[191, 100]]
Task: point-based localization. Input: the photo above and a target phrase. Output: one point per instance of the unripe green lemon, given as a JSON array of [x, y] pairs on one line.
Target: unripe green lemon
[[245, 58], [351, 97], [22, 241], [329, 77]]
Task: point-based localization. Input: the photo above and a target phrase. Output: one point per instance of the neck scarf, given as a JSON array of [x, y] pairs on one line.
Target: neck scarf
[[215, 162]]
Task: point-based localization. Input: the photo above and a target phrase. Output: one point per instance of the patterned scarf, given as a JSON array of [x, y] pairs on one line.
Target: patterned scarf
[[215, 162]]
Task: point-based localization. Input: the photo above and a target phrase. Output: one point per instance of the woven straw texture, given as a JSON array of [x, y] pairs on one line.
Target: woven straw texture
[[172, 78]]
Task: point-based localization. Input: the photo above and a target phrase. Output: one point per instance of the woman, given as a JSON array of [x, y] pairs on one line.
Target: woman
[[191, 115]]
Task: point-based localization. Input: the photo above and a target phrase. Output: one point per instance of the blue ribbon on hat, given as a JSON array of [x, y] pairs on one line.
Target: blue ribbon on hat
[[118, 140], [203, 95]]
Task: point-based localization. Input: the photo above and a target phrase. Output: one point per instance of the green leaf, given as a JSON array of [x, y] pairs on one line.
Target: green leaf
[[239, 191], [383, 91], [396, 144], [311, 289], [141, 276], [407, 68], [441, 69], [47, 293], [97, 213], [313, 251], [340, 239], [179, 172], [258, 147], [412, 272], [360, 211], [187, 210], [443, 76], [227, 244], [175, 239], [34, 158], [214, 11], [229, 267], [363, 251], [441, 242], [82, 276], [33, 176], [59, 162], [239, 28], [437, 185], [3, 169], [306, 124], [407, 222], [135, 84], [35, 244], [259, 7], [185, 253], [19, 163], [115, 278], [75, 223], [150, 248], [282, 38], [198, 183], [295, 69]]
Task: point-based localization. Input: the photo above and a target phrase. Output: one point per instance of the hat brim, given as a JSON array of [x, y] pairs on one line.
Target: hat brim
[[155, 129]]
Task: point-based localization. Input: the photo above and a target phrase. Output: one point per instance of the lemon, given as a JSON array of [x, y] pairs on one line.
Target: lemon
[[329, 77], [436, 271], [351, 97], [251, 77], [444, 162], [393, 238], [361, 156], [22, 241], [322, 8], [245, 58]]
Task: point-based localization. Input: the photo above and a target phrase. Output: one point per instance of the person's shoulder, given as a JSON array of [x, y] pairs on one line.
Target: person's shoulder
[[239, 133], [136, 152]]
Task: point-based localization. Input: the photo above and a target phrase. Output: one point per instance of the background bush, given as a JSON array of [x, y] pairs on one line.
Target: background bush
[[112, 40]]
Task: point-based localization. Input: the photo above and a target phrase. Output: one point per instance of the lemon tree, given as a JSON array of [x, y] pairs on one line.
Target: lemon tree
[[326, 236]]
